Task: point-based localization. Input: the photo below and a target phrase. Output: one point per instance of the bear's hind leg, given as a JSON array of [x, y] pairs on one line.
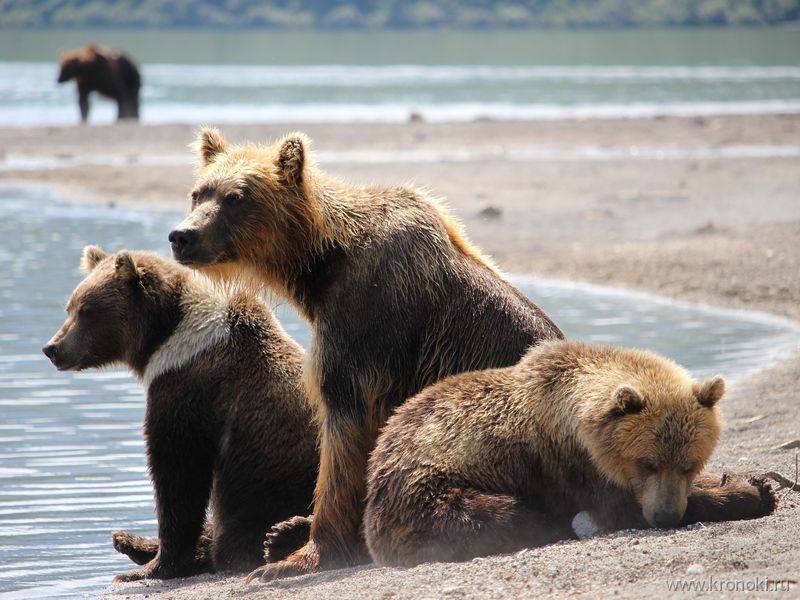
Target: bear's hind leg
[[335, 539], [285, 537], [461, 524], [140, 550], [728, 498]]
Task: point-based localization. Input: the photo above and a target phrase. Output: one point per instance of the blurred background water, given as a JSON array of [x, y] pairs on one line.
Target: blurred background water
[[72, 464], [302, 76]]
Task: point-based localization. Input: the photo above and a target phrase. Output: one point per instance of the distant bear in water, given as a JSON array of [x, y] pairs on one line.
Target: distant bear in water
[[106, 71], [493, 461], [227, 424]]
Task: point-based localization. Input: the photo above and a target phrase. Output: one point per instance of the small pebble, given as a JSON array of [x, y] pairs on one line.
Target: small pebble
[[449, 590], [583, 526], [491, 212], [695, 569]]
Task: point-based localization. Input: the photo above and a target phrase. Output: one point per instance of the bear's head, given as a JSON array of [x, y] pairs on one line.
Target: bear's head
[[113, 313], [250, 205], [653, 434], [74, 63]]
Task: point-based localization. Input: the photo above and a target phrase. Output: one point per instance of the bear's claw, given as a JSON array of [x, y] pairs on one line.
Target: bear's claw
[[301, 562], [769, 500], [273, 571], [285, 537], [133, 575]]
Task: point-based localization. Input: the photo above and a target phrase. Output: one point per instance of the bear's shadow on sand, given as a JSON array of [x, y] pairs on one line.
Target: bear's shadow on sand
[[302, 581], [146, 588], [149, 587]]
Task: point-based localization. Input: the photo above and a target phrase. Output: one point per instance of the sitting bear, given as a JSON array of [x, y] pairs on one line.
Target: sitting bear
[[106, 71], [227, 424], [396, 297], [494, 461]]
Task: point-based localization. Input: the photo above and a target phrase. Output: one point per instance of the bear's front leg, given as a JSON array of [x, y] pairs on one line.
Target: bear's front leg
[[335, 540], [83, 101], [728, 498], [181, 460]]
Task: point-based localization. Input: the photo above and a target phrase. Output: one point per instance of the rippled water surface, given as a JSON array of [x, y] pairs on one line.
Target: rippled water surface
[[444, 75], [72, 465]]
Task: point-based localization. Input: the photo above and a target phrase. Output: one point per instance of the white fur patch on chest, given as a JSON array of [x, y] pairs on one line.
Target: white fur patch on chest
[[204, 324]]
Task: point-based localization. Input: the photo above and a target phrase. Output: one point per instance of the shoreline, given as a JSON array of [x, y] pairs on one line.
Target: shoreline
[[617, 221], [721, 231], [365, 115]]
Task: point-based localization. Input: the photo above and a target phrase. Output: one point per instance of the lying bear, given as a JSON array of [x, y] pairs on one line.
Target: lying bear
[[227, 424], [396, 296], [105, 71], [493, 461]]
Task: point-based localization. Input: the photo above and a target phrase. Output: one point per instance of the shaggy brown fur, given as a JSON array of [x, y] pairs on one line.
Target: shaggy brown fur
[[396, 297], [493, 461], [106, 71], [227, 425]]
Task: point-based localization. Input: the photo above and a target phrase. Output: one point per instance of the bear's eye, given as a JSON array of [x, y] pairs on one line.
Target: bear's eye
[[648, 466], [86, 311], [688, 470], [233, 196]]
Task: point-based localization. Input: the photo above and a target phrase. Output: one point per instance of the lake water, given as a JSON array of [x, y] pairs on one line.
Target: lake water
[[72, 464], [206, 76]]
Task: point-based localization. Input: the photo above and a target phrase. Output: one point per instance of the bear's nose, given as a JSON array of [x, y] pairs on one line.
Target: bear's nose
[[182, 238], [50, 351], [666, 519]]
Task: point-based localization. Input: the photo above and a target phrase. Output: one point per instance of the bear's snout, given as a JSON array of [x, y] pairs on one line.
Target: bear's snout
[[51, 352], [57, 356], [666, 519], [182, 238], [55, 353], [183, 242]]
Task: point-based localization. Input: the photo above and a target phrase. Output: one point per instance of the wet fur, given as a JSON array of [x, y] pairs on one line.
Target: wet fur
[[396, 297], [227, 425], [498, 460]]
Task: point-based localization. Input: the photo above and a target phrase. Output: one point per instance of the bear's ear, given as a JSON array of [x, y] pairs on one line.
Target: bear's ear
[[126, 268], [710, 391], [91, 256], [292, 158], [627, 401], [209, 144]]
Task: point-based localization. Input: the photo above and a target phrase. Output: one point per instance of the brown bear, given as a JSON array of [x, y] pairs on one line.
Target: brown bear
[[227, 425], [106, 71], [396, 297], [498, 460]]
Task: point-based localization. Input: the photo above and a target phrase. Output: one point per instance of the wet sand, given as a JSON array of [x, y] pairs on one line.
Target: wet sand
[[703, 209]]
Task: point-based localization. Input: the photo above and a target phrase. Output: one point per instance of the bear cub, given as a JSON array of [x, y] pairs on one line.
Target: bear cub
[[493, 461], [227, 424]]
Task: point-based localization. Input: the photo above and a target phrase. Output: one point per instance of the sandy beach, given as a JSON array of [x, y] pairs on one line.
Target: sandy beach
[[700, 209]]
